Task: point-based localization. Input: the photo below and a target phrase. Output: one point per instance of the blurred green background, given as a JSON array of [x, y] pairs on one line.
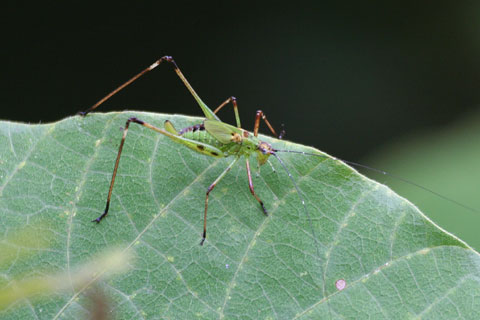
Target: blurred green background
[[393, 85]]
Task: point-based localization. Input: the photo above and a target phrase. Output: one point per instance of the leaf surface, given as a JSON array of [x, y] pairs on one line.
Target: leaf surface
[[394, 261]]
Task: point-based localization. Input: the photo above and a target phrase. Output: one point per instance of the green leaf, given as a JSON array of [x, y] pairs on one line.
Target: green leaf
[[395, 262]]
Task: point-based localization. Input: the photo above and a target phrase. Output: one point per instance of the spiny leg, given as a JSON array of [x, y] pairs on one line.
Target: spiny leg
[[120, 148], [233, 100], [250, 185], [210, 188], [261, 115], [112, 182], [208, 113]]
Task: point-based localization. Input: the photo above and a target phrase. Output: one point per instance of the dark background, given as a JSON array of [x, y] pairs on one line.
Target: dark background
[[345, 78], [385, 84]]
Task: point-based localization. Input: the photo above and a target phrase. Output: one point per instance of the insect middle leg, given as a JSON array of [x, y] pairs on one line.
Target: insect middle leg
[[233, 100], [210, 188], [261, 115]]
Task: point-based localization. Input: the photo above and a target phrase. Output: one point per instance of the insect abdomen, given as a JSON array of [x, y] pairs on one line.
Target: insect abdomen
[[198, 133]]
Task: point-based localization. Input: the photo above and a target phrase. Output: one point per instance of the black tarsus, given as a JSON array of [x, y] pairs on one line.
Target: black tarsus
[[264, 209], [105, 212]]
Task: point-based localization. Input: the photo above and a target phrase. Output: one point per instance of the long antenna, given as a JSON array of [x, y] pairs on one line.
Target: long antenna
[[300, 194], [309, 220], [387, 174]]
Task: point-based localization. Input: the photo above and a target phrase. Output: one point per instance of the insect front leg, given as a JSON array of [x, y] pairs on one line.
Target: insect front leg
[[252, 191], [271, 166]]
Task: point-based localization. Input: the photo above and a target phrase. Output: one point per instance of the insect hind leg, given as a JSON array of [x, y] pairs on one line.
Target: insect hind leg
[[210, 188], [208, 113], [115, 168], [120, 148]]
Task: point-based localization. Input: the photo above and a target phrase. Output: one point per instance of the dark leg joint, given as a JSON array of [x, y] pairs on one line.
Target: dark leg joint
[[263, 207], [252, 191], [103, 215], [261, 115], [169, 59], [133, 119], [203, 237]]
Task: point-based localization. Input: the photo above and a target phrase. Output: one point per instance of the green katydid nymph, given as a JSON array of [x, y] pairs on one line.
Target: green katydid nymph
[[217, 139], [212, 137]]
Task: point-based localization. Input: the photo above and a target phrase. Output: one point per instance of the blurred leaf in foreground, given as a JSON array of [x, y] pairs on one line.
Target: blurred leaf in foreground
[[24, 243], [113, 261]]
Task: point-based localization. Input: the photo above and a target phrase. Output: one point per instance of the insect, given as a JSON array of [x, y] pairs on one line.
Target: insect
[[212, 138], [217, 139]]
